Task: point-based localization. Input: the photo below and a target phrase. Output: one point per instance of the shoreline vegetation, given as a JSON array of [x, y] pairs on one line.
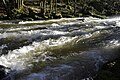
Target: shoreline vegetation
[[54, 9]]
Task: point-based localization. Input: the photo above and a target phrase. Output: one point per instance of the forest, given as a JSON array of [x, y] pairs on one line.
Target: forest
[[49, 9]]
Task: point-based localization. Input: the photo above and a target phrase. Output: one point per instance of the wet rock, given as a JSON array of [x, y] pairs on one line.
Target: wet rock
[[110, 71], [2, 72], [56, 16]]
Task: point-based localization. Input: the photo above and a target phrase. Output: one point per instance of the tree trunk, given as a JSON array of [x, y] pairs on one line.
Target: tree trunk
[[18, 4], [74, 6], [7, 8], [55, 6], [51, 5], [5, 4], [44, 8]]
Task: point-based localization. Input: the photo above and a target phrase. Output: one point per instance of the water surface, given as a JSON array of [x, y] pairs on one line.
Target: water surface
[[63, 49]]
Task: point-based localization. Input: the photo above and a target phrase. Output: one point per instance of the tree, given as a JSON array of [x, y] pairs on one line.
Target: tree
[[55, 6], [74, 6], [10, 5], [7, 8], [51, 6]]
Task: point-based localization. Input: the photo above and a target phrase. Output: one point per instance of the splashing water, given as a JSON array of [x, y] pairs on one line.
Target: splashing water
[[64, 49]]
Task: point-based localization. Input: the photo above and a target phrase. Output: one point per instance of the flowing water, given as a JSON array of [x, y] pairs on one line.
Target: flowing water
[[63, 49]]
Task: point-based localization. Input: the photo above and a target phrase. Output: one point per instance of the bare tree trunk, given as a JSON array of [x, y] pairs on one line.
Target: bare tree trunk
[[75, 6], [18, 4], [44, 8], [55, 6], [51, 6], [7, 8], [5, 4], [39, 3]]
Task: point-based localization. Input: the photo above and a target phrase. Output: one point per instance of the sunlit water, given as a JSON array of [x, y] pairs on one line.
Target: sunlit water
[[63, 49]]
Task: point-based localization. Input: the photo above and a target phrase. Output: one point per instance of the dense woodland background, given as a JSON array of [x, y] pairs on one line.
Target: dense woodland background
[[48, 9]]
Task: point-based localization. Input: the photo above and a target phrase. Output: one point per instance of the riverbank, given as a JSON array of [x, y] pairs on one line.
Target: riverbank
[[66, 9]]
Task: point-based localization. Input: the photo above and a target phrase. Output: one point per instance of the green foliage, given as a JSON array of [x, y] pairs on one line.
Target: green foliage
[[67, 8]]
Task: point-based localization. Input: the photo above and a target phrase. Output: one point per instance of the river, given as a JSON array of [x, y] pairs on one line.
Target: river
[[61, 49]]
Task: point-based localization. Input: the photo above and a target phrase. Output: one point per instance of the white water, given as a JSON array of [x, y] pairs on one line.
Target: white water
[[94, 41]]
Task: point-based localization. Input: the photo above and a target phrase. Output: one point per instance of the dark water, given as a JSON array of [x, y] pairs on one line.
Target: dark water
[[65, 49]]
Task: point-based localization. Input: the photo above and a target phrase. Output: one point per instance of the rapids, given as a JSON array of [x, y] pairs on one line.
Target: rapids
[[62, 49]]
